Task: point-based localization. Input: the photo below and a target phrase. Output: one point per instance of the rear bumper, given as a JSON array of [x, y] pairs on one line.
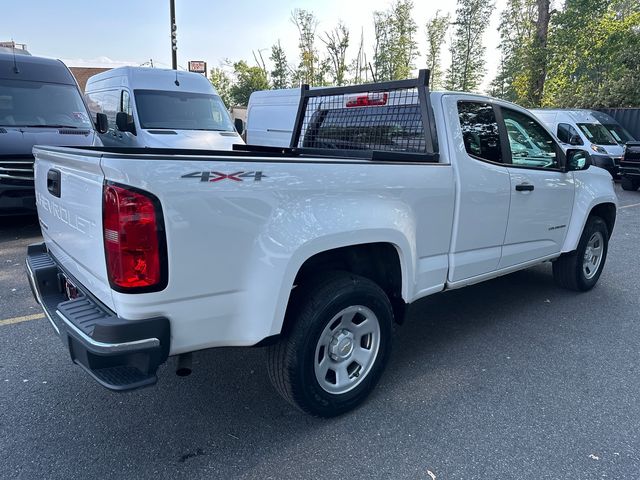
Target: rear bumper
[[119, 354]]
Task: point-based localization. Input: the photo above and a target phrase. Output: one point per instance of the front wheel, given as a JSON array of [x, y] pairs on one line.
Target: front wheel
[[581, 269], [335, 344]]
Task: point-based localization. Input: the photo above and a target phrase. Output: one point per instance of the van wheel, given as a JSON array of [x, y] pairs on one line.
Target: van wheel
[[629, 184], [581, 269], [334, 346]]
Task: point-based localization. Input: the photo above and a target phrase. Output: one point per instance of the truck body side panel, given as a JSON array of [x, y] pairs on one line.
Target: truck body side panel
[[236, 243]]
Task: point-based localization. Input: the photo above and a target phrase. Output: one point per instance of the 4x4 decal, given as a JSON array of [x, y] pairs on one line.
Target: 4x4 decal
[[218, 176]]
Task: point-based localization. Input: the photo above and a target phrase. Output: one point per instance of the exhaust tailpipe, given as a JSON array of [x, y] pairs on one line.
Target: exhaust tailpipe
[[184, 365]]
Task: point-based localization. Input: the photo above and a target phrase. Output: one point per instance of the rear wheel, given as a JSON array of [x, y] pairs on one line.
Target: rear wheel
[[581, 269], [629, 184], [335, 344]]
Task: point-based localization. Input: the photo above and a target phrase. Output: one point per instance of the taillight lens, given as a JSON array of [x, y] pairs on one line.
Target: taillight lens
[[131, 222]]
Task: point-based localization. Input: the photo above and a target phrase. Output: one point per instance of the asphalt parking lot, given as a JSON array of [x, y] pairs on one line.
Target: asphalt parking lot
[[510, 379]]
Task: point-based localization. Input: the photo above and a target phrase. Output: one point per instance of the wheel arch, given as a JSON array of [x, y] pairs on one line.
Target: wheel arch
[[387, 258]]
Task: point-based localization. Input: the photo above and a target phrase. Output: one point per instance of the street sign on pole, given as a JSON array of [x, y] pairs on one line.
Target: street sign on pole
[[198, 66]]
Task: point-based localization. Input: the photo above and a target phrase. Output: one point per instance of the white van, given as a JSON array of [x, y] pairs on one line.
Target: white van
[[152, 107], [581, 128], [271, 115]]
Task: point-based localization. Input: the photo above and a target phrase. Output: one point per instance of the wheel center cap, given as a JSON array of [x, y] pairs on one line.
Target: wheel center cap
[[341, 345]]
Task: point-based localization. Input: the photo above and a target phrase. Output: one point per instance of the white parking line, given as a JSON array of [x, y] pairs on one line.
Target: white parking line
[[25, 318], [629, 206]]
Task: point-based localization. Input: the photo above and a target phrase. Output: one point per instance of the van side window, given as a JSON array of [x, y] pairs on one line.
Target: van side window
[[530, 144], [106, 102], [480, 130], [566, 132], [125, 102]]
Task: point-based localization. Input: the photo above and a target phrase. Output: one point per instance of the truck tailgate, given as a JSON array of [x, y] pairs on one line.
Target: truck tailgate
[[69, 201]]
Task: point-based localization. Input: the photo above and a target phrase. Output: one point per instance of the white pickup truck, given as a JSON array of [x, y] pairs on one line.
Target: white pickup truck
[[389, 193]]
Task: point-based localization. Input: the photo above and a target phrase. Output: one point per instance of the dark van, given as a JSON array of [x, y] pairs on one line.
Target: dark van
[[40, 104]]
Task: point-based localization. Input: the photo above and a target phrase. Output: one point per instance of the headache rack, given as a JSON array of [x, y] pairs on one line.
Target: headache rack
[[383, 121]]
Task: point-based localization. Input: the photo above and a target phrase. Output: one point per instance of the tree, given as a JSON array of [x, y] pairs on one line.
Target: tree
[[395, 47], [337, 42], [595, 61], [359, 64], [539, 52], [515, 75], [280, 70], [309, 69], [222, 82], [248, 80], [467, 50], [436, 33]]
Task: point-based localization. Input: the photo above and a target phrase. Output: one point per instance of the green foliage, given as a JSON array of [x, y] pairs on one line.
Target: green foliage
[[395, 46], [596, 55], [436, 32], [310, 70], [337, 42], [517, 38], [280, 70], [222, 82], [467, 51], [248, 80]]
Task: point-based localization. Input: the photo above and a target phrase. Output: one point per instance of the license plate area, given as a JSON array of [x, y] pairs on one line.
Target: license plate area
[[68, 288]]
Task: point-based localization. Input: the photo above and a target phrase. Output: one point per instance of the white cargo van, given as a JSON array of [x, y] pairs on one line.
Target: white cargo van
[[271, 116], [581, 128], [152, 107]]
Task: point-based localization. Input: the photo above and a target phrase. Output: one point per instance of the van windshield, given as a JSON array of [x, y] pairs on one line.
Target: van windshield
[[181, 111], [619, 133], [597, 134], [38, 104]]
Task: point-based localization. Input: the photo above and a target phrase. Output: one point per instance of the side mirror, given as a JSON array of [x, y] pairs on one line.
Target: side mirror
[[577, 160], [102, 123], [124, 122], [575, 140], [239, 124]]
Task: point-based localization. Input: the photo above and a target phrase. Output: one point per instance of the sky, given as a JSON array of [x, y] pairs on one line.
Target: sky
[[132, 32]]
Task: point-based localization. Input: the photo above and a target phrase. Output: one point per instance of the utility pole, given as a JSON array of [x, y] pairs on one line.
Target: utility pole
[[174, 39]]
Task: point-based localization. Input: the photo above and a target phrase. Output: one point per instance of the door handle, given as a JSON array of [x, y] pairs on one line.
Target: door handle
[[53, 182], [524, 187]]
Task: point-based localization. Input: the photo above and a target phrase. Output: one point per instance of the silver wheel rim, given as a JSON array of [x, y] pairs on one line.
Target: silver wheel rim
[[347, 349], [593, 255]]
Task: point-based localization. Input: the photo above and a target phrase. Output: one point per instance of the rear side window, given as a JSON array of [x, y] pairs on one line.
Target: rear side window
[[396, 128], [480, 130], [566, 132]]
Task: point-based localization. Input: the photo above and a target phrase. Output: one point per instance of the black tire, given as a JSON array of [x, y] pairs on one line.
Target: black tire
[[629, 184], [568, 270], [290, 362]]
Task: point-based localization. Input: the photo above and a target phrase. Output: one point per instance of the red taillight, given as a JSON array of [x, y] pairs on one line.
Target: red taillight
[[132, 243], [367, 100]]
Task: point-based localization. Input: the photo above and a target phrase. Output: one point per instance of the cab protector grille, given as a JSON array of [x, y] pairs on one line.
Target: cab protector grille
[[390, 117]]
